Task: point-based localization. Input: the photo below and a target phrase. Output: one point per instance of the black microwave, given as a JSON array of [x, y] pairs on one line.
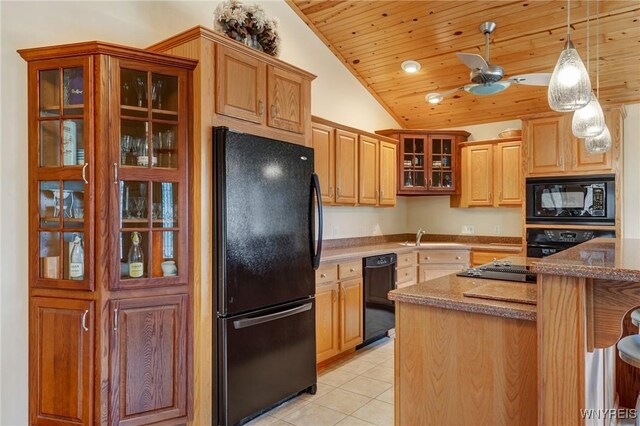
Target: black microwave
[[584, 200]]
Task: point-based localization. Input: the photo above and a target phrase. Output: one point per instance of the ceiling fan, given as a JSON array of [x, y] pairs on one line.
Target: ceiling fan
[[486, 77]]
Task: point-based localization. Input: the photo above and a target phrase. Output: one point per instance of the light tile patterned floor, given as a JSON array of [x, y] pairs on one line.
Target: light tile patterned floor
[[352, 392]]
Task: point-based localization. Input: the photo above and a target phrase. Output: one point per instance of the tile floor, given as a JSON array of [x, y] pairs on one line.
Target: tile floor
[[352, 392]]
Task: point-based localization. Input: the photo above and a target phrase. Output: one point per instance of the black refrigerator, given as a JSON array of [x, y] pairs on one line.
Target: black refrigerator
[[266, 196]]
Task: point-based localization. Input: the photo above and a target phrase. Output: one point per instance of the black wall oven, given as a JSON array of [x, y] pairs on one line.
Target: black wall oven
[[576, 200]]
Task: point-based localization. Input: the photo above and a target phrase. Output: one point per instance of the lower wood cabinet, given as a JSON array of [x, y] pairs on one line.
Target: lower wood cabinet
[[61, 373], [339, 311], [480, 257], [148, 359], [438, 263]]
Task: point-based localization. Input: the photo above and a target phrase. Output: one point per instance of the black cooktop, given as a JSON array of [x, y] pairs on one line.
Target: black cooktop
[[504, 271]]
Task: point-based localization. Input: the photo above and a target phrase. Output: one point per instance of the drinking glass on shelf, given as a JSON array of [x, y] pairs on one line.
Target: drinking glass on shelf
[[138, 204], [140, 90], [157, 211], [156, 93], [125, 93]]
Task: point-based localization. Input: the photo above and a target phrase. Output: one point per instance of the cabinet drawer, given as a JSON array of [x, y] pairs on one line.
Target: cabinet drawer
[[327, 274], [406, 284], [406, 259], [405, 274], [444, 256], [350, 269], [482, 257]]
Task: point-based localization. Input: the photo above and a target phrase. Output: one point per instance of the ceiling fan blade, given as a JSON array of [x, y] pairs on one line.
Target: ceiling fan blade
[[535, 79], [472, 60]]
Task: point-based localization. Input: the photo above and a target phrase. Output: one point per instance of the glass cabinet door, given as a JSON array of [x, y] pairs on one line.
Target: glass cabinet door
[[61, 153], [413, 166], [151, 170], [441, 159]]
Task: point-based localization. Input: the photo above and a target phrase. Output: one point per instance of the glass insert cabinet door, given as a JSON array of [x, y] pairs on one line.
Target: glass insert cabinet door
[[150, 166], [61, 193], [414, 153], [441, 149]]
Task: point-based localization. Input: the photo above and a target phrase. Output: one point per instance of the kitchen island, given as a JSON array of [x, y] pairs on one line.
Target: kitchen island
[[463, 359], [583, 295]]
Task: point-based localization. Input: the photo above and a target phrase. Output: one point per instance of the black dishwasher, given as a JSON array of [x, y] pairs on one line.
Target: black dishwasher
[[379, 311]]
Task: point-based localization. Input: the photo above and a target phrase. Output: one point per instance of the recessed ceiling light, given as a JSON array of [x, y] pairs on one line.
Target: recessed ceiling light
[[411, 66], [433, 98]]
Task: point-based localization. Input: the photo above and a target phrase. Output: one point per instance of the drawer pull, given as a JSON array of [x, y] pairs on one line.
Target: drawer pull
[[352, 270], [428, 257], [406, 273], [457, 257], [84, 320], [323, 275]]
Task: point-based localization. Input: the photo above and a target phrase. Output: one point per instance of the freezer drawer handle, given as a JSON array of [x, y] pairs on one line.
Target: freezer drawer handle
[[248, 322]]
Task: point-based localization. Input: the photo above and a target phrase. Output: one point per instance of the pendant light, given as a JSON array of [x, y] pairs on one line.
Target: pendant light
[[588, 121], [569, 87], [602, 142]]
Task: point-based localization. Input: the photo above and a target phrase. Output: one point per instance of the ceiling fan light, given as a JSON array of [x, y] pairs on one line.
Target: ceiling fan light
[[588, 121], [569, 87], [598, 144], [488, 88], [433, 98], [411, 66]]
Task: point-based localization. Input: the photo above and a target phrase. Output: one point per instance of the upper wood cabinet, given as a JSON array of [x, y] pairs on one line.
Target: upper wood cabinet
[[491, 174], [324, 147], [551, 148], [479, 171], [508, 173], [287, 100], [108, 216], [427, 160], [346, 167], [354, 167], [369, 170], [250, 89], [388, 173], [241, 85]]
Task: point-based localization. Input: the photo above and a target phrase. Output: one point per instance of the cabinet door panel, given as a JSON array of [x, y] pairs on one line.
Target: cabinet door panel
[[324, 154], [350, 314], [61, 366], [369, 177], [545, 139], [327, 322], [388, 174], [149, 360], [286, 100], [480, 175], [346, 167], [508, 174], [431, 272], [241, 85]]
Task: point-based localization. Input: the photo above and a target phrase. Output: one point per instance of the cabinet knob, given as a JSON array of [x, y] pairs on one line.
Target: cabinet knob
[[323, 275], [274, 110], [352, 270], [428, 257], [457, 257], [261, 108], [406, 273], [338, 191], [494, 259], [331, 192]]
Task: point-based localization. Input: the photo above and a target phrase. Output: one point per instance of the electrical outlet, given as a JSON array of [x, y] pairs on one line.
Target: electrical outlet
[[468, 229], [497, 230], [334, 232]]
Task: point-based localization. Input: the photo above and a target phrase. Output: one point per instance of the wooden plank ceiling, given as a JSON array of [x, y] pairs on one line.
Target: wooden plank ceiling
[[372, 38]]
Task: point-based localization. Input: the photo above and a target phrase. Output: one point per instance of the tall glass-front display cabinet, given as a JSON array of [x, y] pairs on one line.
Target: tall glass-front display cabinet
[[109, 279]]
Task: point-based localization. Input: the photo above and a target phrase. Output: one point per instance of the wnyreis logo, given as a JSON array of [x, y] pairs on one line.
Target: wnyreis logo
[[601, 414]]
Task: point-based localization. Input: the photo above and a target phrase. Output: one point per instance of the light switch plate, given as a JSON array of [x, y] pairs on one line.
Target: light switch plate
[[497, 230]]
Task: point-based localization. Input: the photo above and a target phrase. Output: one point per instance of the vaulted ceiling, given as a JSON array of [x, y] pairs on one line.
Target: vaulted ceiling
[[372, 39]]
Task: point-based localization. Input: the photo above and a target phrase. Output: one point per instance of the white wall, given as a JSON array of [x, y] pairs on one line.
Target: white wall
[[336, 95], [345, 222], [631, 189], [435, 216]]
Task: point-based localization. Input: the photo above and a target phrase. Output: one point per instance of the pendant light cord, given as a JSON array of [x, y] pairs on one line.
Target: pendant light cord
[[568, 20], [598, 49], [588, 22]]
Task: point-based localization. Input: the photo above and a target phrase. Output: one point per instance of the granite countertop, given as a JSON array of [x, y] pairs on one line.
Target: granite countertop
[[448, 293], [338, 254], [604, 258]]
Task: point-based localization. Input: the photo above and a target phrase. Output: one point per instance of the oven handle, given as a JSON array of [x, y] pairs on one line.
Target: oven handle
[[248, 322]]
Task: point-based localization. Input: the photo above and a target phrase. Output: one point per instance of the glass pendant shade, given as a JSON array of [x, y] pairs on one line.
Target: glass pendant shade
[[598, 144], [569, 87], [588, 121]]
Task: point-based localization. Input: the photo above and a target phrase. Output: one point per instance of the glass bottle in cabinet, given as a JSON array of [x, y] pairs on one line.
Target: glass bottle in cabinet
[[76, 259], [135, 257]]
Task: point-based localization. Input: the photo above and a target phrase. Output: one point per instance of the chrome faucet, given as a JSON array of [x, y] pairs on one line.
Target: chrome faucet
[[419, 235]]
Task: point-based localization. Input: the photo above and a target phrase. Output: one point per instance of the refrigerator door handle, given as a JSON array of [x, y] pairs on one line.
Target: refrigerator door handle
[[318, 251], [248, 322]]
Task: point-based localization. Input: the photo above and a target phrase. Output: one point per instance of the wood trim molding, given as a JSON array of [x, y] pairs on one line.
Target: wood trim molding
[[387, 132], [320, 120], [98, 48], [342, 59], [207, 33], [488, 141]]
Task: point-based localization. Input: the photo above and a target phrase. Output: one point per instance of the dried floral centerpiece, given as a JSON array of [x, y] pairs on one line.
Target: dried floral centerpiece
[[248, 24]]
